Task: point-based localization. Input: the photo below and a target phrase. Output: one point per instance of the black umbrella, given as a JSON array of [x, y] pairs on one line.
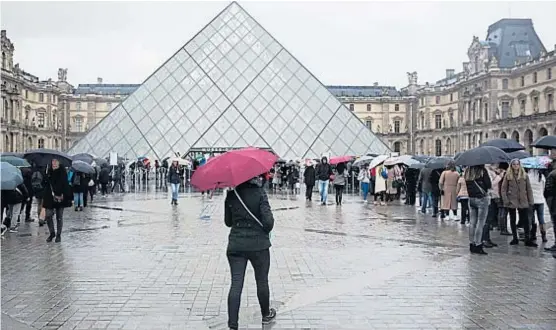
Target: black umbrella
[[546, 142], [421, 158], [81, 166], [417, 166], [43, 157], [482, 156], [281, 161], [438, 163], [84, 157], [519, 154], [506, 145], [15, 161]]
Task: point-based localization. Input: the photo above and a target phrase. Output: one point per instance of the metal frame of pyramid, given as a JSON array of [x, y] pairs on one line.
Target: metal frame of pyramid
[[232, 85]]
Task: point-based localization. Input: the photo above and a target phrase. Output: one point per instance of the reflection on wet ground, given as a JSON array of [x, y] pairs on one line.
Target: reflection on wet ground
[[132, 261]]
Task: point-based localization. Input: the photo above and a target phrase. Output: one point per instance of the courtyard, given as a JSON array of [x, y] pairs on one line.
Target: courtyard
[[134, 262]]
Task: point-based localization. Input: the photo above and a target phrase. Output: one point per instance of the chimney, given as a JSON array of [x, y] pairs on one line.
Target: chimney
[[450, 73], [375, 84], [99, 80]]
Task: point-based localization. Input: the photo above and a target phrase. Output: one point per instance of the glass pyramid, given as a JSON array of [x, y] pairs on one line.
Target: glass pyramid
[[233, 85]]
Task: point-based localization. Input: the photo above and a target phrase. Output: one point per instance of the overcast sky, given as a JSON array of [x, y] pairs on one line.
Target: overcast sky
[[342, 43]]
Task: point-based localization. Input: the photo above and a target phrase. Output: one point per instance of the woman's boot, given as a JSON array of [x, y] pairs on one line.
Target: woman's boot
[[543, 233], [533, 234]]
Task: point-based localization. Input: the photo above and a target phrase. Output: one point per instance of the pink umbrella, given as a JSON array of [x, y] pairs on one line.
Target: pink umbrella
[[233, 168], [340, 159]]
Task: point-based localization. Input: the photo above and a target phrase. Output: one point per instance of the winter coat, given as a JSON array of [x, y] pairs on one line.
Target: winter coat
[[81, 186], [340, 178], [411, 178], [16, 196], [462, 188], [550, 192], [424, 180], [293, 176], [364, 176], [449, 184], [246, 234], [324, 171], [117, 173], [104, 176], [56, 184], [517, 193], [173, 175], [380, 182], [309, 176], [435, 182]]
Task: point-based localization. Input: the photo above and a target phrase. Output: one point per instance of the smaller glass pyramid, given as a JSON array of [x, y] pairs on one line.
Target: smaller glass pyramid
[[232, 85]]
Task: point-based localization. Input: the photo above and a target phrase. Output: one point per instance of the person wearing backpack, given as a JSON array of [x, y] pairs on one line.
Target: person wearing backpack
[[10, 199], [37, 186]]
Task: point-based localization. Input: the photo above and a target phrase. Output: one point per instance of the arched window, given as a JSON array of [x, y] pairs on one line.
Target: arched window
[[449, 146], [438, 147], [4, 63], [30, 143], [528, 140], [503, 135], [422, 147], [41, 143], [515, 136]]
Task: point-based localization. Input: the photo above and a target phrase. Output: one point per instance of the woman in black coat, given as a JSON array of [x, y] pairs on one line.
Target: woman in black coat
[[309, 177], [57, 196], [248, 214]]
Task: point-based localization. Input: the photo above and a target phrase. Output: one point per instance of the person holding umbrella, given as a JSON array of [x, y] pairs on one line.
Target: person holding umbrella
[[174, 180], [517, 196], [309, 180], [478, 183], [247, 212], [339, 182], [56, 197]]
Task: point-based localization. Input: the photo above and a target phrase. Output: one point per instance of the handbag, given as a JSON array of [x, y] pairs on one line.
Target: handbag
[[249, 211], [91, 183], [56, 199]]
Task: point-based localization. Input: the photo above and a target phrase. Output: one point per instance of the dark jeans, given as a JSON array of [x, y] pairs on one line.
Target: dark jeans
[[464, 210], [118, 182], [411, 195], [339, 192], [260, 261], [523, 218], [104, 188], [59, 220], [309, 192], [27, 205], [492, 219]]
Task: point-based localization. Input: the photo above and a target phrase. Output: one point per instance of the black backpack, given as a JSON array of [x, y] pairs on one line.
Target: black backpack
[[76, 180], [36, 182]]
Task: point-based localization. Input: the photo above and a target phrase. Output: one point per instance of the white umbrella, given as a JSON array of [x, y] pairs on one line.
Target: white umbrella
[[378, 160], [180, 161], [404, 159], [363, 160]]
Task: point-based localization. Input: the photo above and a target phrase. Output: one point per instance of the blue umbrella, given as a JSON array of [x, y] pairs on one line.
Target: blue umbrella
[[15, 161], [537, 163], [15, 154], [11, 176]]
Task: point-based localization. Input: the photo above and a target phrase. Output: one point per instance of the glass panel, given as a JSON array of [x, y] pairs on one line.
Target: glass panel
[[189, 65], [268, 94], [122, 147], [141, 148], [280, 148], [320, 146], [153, 135], [102, 148], [313, 85], [222, 103], [201, 143], [185, 104], [287, 114], [250, 136], [249, 74], [230, 136], [260, 125], [304, 94], [317, 125], [353, 124], [158, 93], [231, 115], [343, 116], [207, 65], [191, 46], [332, 103], [241, 124], [113, 136], [145, 124], [179, 74], [286, 93], [221, 125], [130, 103], [257, 30], [182, 125], [279, 124], [347, 136], [297, 124], [156, 113], [303, 74], [232, 74], [138, 114], [203, 123], [133, 135], [296, 103], [289, 136], [211, 136], [125, 124], [172, 135], [284, 58], [118, 114], [163, 124], [260, 143], [216, 39], [249, 56], [241, 102], [162, 149], [195, 93], [314, 104], [204, 103], [207, 48], [213, 93], [180, 146], [298, 149], [191, 135], [257, 64], [166, 103], [325, 114], [267, 75], [359, 147], [140, 94], [259, 103], [249, 112], [161, 74], [177, 93], [339, 148], [216, 56], [306, 114], [224, 83], [215, 74], [151, 84]]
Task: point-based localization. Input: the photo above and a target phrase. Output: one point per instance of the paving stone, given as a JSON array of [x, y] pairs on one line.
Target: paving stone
[[134, 262]]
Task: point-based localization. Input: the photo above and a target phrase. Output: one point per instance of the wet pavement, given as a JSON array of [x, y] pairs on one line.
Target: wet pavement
[[134, 262]]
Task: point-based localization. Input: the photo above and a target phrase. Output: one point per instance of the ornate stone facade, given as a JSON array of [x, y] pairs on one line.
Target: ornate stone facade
[[30, 114]]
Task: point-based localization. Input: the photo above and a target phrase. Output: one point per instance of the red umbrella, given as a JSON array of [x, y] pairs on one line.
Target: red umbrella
[[233, 168], [340, 159]]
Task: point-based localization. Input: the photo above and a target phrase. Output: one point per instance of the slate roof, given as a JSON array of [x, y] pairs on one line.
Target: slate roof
[[513, 39], [363, 91], [106, 89]]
